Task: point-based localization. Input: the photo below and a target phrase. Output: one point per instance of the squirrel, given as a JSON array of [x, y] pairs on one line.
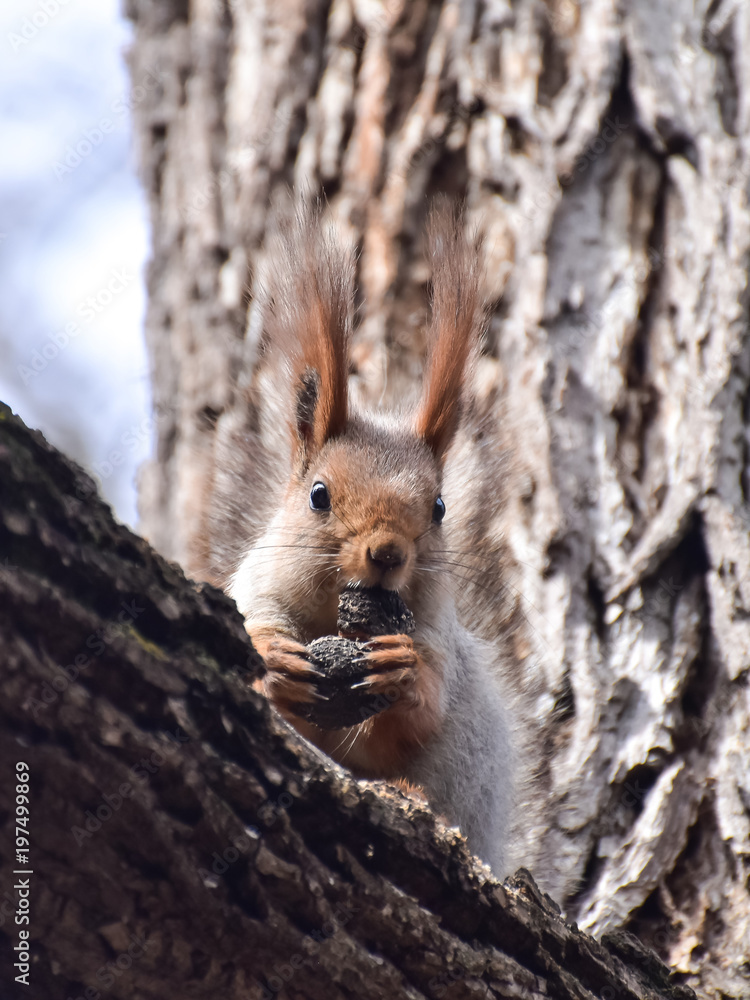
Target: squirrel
[[342, 496]]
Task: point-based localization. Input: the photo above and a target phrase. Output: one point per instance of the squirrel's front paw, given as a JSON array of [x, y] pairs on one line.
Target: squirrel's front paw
[[335, 682], [291, 678], [391, 663]]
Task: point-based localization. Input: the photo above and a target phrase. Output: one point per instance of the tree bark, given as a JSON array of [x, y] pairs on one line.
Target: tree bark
[[602, 150], [184, 841]]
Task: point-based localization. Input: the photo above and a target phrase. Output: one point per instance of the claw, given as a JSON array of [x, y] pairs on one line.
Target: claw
[[304, 670]]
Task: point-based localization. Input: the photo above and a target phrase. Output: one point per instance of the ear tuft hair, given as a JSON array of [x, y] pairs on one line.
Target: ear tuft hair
[[457, 316], [309, 292]]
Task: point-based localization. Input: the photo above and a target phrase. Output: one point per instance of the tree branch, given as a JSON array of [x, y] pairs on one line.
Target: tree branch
[[184, 841]]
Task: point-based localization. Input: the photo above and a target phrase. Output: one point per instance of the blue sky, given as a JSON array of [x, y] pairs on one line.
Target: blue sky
[[74, 238]]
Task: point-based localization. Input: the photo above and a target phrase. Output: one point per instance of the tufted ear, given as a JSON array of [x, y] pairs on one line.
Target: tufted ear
[[454, 331], [310, 291]]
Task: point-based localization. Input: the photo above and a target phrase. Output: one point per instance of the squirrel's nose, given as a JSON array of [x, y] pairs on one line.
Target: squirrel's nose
[[386, 555]]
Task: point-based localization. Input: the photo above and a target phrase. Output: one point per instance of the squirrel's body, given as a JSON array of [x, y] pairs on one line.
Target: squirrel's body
[[354, 499]]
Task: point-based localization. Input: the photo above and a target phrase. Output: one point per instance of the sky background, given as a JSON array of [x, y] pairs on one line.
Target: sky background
[[74, 238]]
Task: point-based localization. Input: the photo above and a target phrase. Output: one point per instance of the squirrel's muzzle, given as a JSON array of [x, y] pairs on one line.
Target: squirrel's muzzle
[[387, 555], [378, 558]]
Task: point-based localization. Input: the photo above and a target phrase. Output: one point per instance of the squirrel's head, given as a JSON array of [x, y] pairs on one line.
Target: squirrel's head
[[364, 493], [370, 498]]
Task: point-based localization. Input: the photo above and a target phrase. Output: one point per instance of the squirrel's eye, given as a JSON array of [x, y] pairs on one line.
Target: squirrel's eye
[[319, 498], [438, 511]]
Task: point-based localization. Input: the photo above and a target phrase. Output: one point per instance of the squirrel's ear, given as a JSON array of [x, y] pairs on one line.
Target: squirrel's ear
[[455, 326], [321, 404], [309, 296]]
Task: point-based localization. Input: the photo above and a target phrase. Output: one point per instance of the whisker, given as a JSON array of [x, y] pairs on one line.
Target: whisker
[[325, 580], [483, 586], [357, 733], [492, 590], [343, 521], [426, 532], [272, 556], [485, 557], [505, 585], [353, 732], [469, 569], [291, 549]]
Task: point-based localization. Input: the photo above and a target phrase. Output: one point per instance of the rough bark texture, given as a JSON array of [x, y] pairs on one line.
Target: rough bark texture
[[184, 842], [603, 151]]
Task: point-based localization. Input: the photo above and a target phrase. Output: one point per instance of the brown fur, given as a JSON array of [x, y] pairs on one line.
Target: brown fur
[[308, 326], [454, 330]]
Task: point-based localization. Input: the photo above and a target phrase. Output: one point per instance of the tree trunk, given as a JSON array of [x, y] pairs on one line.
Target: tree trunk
[[602, 151], [183, 840]]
